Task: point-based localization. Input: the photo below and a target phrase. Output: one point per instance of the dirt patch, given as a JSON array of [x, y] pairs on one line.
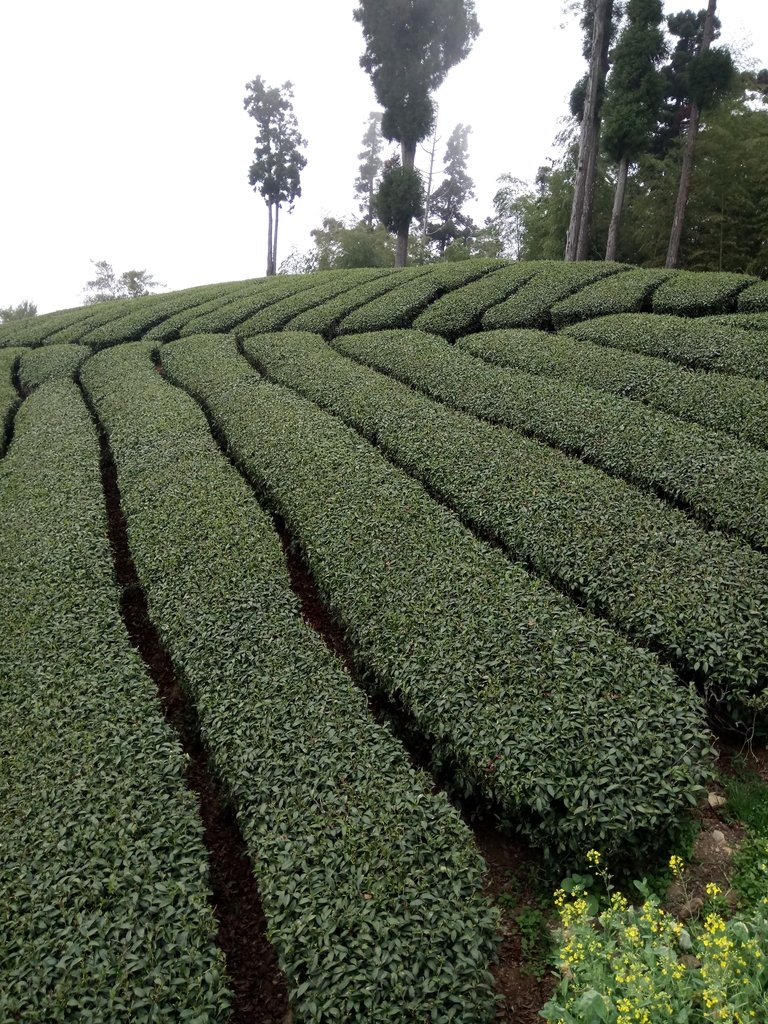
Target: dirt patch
[[524, 981]]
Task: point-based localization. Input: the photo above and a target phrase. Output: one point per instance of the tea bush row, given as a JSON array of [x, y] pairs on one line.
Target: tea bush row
[[461, 310], [530, 306], [626, 555], [246, 303], [736, 405], [34, 330], [721, 480], [742, 321], [50, 362], [324, 318], [326, 285], [147, 312], [403, 304], [754, 299], [529, 704], [698, 293], [366, 878], [628, 292], [105, 912], [9, 396], [172, 327], [700, 344]]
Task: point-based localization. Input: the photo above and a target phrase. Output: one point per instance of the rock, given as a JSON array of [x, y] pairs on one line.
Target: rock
[[716, 801], [720, 843]]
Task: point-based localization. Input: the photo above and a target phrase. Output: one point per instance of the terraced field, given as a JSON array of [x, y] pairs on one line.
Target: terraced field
[[513, 517]]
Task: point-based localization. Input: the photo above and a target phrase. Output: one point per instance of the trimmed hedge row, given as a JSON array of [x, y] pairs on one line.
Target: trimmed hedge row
[[461, 310], [754, 299], [625, 554], [91, 317], [722, 480], [171, 328], [370, 884], [34, 330], [628, 292], [579, 737], [531, 305], [148, 311], [261, 294], [323, 319], [743, 321], [697, 293], [399, 307], [702, 344], [9, 396], [105, 912], [51, 362], [325, 285], [736, 405]]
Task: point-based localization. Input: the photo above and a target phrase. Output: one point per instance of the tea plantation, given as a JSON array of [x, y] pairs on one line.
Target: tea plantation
[[533, 500]]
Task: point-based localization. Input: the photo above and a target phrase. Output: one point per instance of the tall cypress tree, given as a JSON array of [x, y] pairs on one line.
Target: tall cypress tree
[[410, 46], [371, 166], [633, 98], [598, 25], [456, 189], [276, 169]]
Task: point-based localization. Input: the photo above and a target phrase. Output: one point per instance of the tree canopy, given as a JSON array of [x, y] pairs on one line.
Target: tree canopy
[[278, 161], [106, 285], [410, 46], [23, 311]]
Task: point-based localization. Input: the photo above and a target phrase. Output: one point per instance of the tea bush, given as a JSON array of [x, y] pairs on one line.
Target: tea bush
[[403, 304], [105, 912], [754, 299], [366, 877], [325, 285], [324, 318], [737, 405], [626, 555], [693, 293], [702, 345], [9, 396], [51, 362], [628, 292], [721, 480], [533, 705], [530, 306], [462, 309]]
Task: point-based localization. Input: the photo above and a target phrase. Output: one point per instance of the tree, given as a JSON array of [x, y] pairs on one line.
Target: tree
[[23, 311], [709, 76], [633, 98], [399, 199], [106, 285], [371, 166], [510, 205], [449, 198], [410, 48], [598, 25], [339, 246], [276, 171]]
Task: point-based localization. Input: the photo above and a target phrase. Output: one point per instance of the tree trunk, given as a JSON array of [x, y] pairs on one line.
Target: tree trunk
[[429, 184], [686, 171], [269, 239], [408, 156], [581, 208], [618, 206], [274, 239], [585, 225]]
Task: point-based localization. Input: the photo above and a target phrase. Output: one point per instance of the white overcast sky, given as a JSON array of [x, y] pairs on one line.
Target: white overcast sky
[[124, 136]]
